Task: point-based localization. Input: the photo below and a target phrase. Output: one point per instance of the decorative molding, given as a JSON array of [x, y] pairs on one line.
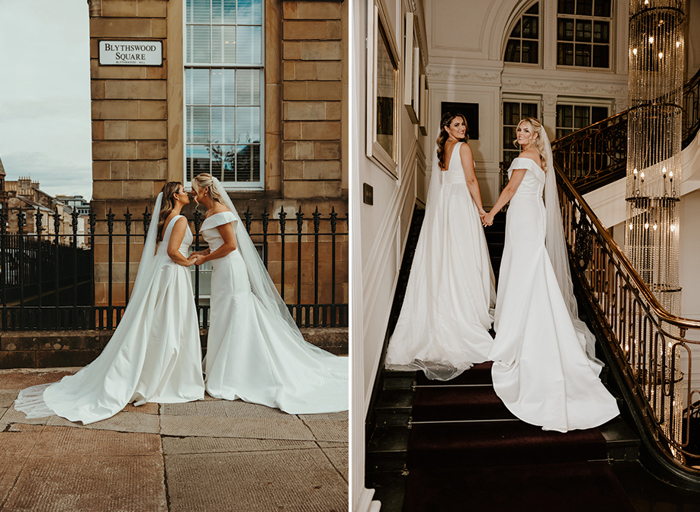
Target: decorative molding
[[550, 100], [572, 87], [491, 77]]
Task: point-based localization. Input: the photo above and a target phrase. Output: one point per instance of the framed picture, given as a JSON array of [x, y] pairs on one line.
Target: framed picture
[[470, 111], [410, 65], [424, 102], [382, 91]]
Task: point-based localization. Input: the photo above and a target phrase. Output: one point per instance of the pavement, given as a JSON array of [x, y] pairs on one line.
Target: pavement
[[209, 455]]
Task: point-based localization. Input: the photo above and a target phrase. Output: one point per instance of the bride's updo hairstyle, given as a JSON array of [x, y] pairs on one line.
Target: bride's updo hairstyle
[[167, 205], [446, 120], [536, 127], [205, 180]]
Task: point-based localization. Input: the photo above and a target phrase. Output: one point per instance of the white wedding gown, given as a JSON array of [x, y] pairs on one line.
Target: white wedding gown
[[541, 370], [154, 354], [253, 353], [443, 327]]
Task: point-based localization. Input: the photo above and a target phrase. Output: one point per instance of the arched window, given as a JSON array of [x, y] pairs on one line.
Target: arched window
[[524, 40], [583, 33]]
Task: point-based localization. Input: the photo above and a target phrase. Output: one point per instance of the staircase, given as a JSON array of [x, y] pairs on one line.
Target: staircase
[[436, 445]]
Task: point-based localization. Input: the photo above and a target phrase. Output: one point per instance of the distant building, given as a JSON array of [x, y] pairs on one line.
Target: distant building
[[38, 210]]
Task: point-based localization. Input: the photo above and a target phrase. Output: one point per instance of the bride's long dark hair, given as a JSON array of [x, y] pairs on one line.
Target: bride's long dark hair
[[446, 120], [167, 205]]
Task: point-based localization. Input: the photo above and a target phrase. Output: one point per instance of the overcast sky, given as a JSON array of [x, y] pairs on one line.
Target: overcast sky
[[45, 94]]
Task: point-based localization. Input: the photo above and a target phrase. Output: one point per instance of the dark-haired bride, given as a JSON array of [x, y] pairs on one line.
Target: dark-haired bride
[[255, 351], [154, 354], [443, 328]]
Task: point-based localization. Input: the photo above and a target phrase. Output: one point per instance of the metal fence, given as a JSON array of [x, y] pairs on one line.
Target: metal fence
[[50, 285]]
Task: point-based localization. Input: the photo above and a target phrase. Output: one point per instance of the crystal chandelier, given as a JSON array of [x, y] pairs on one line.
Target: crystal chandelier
[[656, 73]]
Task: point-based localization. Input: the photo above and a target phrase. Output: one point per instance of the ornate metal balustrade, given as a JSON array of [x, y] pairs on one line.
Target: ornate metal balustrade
[[58, 281], [597, 154], [651, 348]]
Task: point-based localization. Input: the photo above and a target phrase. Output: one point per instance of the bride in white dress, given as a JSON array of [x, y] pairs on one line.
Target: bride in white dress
[[154, 354], [544, 369], [443, 327], [255, 351]]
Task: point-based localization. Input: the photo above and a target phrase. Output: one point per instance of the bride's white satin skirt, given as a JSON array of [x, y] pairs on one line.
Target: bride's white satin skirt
[[254, 355], [154, 355]]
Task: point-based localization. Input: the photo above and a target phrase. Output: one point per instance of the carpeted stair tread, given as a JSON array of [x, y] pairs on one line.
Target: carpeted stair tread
[[443, 403], [574, 487], [453, 445], [477, 374]]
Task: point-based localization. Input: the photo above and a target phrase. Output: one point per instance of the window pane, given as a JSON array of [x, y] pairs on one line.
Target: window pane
[[508, 137], [198, 11], [197, 124], [199, 44], [217, 44], [530, 28], [566, 6], [248, 87], [216, 161], [565, 116], [249, 45], [584, 7], [217, 86], [197, 161], [229, 11], [217, 125], [601, 57], [599, 113], [250, 12], [565, 54], [601, 32], [582, 116], [197, 86], [535, 9], [583, 55], [217, 11], [561, 132], [229, 44], [228, 157], [530, 110], [511, 113], [565, 29], [602, 8], [583, 30], [516, 30], [530, 52], [512, 51], [229, 124], [247, 124], [248, 162]]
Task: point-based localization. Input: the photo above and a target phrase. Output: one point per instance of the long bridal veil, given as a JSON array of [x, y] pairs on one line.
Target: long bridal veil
[[260, 281], [555, 242]]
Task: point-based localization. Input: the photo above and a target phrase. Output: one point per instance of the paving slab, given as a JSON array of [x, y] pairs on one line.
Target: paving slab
[[7, 397], [89, 484], [63, 441], [339, 458], [147, 408], [14, 416], [20, 378], [288, 427], [222, 409], [324, 430], [182, 445], [15, 447], [121, 422], [331, 416], [333, 444], [289, 481]]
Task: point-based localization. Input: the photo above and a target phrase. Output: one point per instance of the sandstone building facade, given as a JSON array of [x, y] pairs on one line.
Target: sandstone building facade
[[252, 91]]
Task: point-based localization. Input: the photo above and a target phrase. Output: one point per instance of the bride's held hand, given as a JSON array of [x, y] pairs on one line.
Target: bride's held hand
[[487, 219]]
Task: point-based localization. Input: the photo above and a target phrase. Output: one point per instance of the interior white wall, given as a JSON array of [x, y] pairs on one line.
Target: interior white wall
[[379, 230]]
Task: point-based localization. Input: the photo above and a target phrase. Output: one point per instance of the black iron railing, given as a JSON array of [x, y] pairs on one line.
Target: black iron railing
[[648, 347], [597, 154], [56, 281]]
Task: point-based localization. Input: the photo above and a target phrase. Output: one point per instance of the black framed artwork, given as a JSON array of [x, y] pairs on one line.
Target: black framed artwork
[[470, 111]]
